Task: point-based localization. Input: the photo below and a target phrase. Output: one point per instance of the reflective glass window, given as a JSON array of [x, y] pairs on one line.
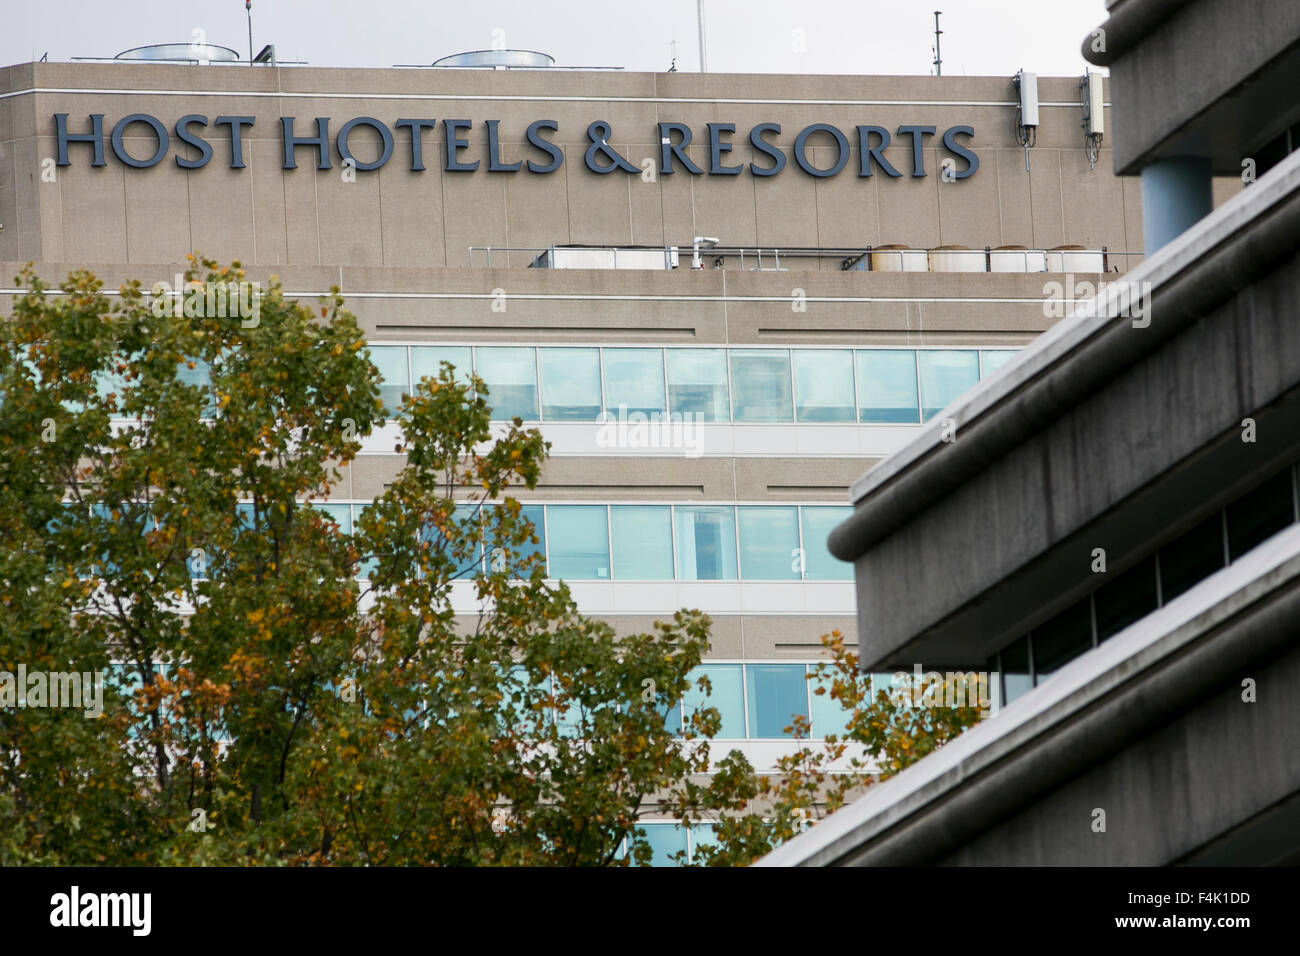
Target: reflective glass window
[[510, 376], [673, 719], [497, 562], [570, 384], [823, 385], [819, 563], [643, 542], [993, 359], [426, 361], [887, 386], [201, 376], [944, 375], [702, 835], [578, 541], [706, 542], [760, 385], [697, 383], [828, 715], [391, 362], [634, 381], [665, 839], [468, 530], [769, 543], [340, 514], [726, 695], [776, 693]]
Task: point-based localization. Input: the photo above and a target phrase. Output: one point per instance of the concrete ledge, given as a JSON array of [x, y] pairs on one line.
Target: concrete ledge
[[1140, 680], [1239, 242]]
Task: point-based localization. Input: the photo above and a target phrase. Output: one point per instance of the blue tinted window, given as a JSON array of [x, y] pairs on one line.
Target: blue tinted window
[[579, 541], [664, 839], [469, 541], [534, 514], [760, 386], [823, 385], [828, 715], [245, 517], [945, 374], [727, 696], [426, 361], [570, 384], [199, 376], [673, 719], [697, 383], [109, 381], [706, 543], [643, 542], [993, 359], [340, 514], [776, 693], [887, 385], [568, 720], [634, 380], [510, 376], [819, 563], [702, 835], [769, 543], [495, 558], [391, 362]]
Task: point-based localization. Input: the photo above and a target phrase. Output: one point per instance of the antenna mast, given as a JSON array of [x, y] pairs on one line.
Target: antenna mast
[[699, 13], [938, 59]]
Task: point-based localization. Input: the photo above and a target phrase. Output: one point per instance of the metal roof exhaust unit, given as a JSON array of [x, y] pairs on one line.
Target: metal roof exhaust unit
[[497, 60], [200, 53]]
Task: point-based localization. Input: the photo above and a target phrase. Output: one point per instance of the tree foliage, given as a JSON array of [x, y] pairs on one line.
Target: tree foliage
[[284, 690]]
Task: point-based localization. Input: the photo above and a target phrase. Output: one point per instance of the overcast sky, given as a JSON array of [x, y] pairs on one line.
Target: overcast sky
[[981, 37]]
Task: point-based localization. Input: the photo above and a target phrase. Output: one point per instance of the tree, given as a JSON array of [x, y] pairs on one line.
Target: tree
[[282, 688]]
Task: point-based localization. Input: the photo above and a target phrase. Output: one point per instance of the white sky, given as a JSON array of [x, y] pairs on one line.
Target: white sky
[[981, 37]]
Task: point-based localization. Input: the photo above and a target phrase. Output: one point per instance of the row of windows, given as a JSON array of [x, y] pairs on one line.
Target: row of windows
[[579, 383], [666, 839], [582, 383], [667, 542], [758, 701], [1150, 584], [755, 701]]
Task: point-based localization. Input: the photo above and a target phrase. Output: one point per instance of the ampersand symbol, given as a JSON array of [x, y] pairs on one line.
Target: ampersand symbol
[[598, 132]]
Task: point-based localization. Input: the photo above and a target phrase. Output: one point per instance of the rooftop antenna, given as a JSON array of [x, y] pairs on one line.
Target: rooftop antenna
[[699, 13], [938, 59], [248, 8], [672, 67]]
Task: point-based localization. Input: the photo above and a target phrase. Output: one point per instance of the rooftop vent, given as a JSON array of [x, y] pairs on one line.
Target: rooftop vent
[[200, 53], [497, 60]]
